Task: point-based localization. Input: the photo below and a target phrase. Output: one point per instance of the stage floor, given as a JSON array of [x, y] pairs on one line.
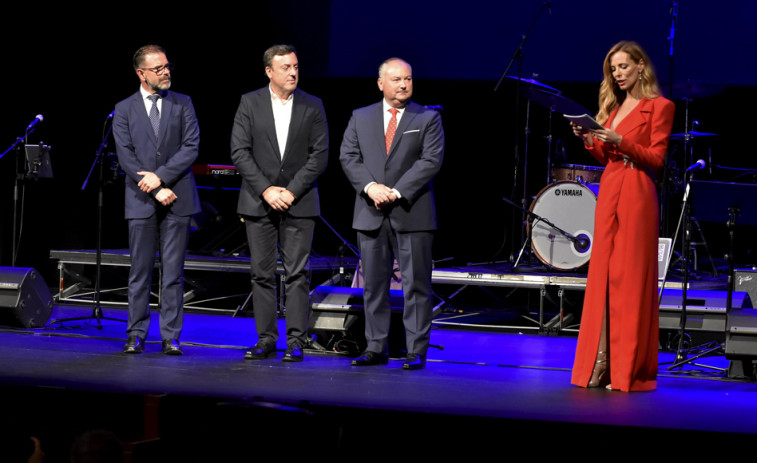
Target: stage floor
[[515, 377]]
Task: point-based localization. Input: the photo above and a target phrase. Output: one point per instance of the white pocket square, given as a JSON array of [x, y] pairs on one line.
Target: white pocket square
[[411, 131]]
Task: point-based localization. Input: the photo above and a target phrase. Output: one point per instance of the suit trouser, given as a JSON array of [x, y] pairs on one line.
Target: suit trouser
[[172, 233], [294, 237], [413, 250]]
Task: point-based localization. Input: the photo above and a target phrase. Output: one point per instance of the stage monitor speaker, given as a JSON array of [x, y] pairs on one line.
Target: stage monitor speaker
[[705, 309], [25, 299], [337, 320], [745, 280], [741, 329]]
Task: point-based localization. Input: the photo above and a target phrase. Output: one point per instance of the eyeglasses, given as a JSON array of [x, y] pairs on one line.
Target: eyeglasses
[[160, 69]]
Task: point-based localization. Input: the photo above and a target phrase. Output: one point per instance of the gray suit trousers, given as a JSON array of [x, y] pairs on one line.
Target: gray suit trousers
[[413, 250]]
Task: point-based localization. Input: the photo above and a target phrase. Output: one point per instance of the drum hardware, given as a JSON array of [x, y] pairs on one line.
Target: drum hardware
[[691, 134], [694, 89], [533, 83], [554, 102], [517, 57]]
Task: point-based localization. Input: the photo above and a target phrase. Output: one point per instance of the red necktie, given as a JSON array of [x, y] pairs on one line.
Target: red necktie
[[391, 129]]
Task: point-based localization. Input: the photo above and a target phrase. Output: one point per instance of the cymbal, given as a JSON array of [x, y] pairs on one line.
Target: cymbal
[[556, 102], [536, 83], [692, 134], [694, 89]]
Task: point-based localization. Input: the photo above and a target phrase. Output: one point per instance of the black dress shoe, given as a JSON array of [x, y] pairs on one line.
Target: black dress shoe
[[134, 345], [414, 362], [293, 354], [261, 350], [368, 358], [172, 347]]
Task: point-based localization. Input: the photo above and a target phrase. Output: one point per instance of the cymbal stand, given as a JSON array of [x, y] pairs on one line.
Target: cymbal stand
[[549, 145], [665, 187], [518, 55]]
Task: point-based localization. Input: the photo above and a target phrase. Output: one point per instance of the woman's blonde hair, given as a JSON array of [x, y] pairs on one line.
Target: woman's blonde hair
[[610, 95]]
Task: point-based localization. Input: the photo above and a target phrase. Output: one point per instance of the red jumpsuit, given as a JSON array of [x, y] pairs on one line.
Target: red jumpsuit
[[623, 266]]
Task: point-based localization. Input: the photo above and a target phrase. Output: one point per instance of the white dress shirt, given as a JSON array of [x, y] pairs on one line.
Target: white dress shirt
[[148, 102], [282, 116]]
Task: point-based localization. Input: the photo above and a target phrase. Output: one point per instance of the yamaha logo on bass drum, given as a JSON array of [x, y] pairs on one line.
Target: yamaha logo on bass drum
[[568, 192]]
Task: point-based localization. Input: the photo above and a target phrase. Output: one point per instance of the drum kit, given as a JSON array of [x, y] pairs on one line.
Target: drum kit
[[561, 216]]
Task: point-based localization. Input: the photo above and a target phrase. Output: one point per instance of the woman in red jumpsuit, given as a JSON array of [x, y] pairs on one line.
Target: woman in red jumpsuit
[[618, 340]]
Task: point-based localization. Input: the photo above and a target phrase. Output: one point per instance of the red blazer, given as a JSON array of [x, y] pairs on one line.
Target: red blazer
[[645, 133]]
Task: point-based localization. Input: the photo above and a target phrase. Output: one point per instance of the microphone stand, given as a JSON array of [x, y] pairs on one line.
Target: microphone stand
[[19, 175], [97, 312], [685, 217]]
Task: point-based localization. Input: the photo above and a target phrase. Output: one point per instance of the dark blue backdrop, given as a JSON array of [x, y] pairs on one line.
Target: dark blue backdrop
[[73, 70]]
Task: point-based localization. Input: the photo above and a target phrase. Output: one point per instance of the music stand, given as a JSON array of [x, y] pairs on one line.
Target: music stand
[[38, 161]]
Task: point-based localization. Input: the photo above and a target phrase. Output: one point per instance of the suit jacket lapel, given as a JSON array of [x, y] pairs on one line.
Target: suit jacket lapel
[[638, 116], [379, 124], [295, 124], [138, 105], [165, 116], [269, 125]]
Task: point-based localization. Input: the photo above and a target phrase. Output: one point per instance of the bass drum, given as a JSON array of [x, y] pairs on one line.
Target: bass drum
[[570, 206]]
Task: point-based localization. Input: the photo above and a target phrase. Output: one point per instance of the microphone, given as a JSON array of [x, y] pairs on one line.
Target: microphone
[[110, 116], [39, 118], [700, 164], [582, 243]]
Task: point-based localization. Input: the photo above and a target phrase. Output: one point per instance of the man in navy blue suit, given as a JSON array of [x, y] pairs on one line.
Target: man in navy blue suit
[[390, 153], [280, 146], [157, 140]]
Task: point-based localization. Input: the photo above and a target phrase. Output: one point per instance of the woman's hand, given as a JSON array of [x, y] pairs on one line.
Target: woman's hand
[[608, 136], [583, 133]]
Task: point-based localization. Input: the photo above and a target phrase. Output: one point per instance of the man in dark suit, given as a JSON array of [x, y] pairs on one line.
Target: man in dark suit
[[390, 152], [279, 145], [157, 140]]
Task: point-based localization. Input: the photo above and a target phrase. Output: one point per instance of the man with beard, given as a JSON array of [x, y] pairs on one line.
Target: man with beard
[[157, 140]]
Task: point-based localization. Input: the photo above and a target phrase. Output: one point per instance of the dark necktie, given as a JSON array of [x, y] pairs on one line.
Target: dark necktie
[[155, 114], [391, 129]]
